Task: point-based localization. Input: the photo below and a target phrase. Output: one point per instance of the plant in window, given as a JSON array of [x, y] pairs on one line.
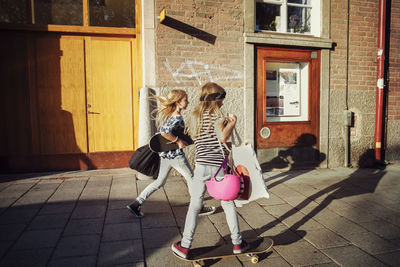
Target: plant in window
[[306, 27], [294, 23], [272, 26]]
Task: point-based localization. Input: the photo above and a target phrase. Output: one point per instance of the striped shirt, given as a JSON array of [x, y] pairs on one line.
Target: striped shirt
[[208, 149]]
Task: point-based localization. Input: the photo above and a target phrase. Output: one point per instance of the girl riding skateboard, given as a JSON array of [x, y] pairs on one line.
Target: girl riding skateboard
[[209, 157]]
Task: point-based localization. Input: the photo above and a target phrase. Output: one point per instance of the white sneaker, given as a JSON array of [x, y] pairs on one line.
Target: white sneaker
[[207, 210]]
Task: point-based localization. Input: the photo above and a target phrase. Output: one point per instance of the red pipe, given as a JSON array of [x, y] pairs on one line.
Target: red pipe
[[380, 80]]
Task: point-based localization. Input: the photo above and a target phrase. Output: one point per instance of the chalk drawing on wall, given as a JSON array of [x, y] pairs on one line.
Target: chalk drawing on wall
[[199, 71]]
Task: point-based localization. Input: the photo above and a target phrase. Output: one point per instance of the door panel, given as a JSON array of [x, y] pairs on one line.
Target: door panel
[[109, 94], [287, 97], [60, 79], [15, 136]]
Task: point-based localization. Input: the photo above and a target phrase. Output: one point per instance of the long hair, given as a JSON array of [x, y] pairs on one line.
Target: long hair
[[167, 105], [196, 119]]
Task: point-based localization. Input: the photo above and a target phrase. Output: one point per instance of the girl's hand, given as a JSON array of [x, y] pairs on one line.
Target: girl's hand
[[231, 119], [228, 128], [182, 144]]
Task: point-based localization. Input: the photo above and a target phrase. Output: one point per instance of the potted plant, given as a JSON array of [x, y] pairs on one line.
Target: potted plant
[[293, 22]]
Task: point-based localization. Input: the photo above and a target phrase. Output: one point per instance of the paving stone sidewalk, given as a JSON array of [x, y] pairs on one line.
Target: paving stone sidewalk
[[320, 217]]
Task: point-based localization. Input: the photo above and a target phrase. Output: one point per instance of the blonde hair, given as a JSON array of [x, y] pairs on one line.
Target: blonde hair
[[167, 105], [212, 106]]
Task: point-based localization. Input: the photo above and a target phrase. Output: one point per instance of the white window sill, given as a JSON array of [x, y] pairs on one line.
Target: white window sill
[[287, 39]]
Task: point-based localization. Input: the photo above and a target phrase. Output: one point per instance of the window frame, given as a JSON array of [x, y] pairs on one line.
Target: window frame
[[315, 16], [84, 29]]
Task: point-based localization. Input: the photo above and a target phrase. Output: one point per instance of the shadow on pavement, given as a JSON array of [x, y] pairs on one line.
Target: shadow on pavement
[[299, 159], [355, 184]]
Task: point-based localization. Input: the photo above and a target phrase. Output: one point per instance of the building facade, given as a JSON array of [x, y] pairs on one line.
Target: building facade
[[301, 76], [250, 47]]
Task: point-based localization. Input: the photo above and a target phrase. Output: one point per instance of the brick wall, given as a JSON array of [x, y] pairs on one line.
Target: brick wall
[[362, 44], [361, 47], [394, 64], [392, 144], [361, 94], [186, 61]]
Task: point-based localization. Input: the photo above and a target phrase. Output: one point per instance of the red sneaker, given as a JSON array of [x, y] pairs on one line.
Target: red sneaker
[[240, 248], [179, 250]]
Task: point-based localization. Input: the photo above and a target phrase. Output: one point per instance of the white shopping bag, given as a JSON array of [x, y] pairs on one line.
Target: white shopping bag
[[244, 155]]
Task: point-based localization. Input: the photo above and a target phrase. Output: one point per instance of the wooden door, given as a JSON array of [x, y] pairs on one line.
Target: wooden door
[[287, 97], [109, 94], [15, 133], [60, 95], [64, 97], [84, 94]]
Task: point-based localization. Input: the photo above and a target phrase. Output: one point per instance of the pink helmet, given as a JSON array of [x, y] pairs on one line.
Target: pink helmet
[[226, 189]]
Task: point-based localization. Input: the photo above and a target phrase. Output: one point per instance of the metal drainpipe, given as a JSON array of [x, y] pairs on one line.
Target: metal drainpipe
[[380, 80], [347, 112]]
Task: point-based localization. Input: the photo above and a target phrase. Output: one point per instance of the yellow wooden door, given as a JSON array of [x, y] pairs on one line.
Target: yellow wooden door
[[60, 80], [109, 93]]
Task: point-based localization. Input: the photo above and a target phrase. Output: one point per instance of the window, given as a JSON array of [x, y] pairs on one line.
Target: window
[[108, 13], [61, 12], [103, 13], [286, 91], [288, 16], [13, 11]]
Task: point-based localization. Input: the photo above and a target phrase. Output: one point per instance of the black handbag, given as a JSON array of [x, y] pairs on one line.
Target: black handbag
[[145, 161]]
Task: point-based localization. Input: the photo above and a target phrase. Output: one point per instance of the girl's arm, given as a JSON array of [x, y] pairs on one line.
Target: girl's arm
[[175, 139], [166, 132]]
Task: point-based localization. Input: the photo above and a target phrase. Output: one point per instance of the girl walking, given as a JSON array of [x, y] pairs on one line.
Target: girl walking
[[170, 118], [207, 119]]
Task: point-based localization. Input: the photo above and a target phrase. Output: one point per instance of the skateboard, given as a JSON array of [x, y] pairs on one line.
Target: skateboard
[[158, 143], [256, 246]]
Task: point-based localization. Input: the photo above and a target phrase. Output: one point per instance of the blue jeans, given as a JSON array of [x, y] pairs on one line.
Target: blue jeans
[[179, 163], [202, 173]]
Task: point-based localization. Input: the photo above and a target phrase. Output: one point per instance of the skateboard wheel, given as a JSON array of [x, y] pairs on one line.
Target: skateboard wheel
[[254, 259], [196, 264]]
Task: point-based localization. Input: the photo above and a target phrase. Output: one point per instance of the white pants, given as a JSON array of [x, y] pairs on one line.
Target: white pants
[[202, 173], [179, 163]]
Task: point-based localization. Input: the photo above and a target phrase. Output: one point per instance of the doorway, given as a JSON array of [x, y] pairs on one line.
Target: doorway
[[287, 97], [84, 87], [74, 101]]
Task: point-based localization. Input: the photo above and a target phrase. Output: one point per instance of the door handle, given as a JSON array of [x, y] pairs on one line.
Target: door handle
[[91, 112]]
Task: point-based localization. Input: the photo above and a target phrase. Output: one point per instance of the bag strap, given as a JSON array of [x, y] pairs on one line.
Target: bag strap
[[235, 135], [223, 165], [222, 150], [227, 160]]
